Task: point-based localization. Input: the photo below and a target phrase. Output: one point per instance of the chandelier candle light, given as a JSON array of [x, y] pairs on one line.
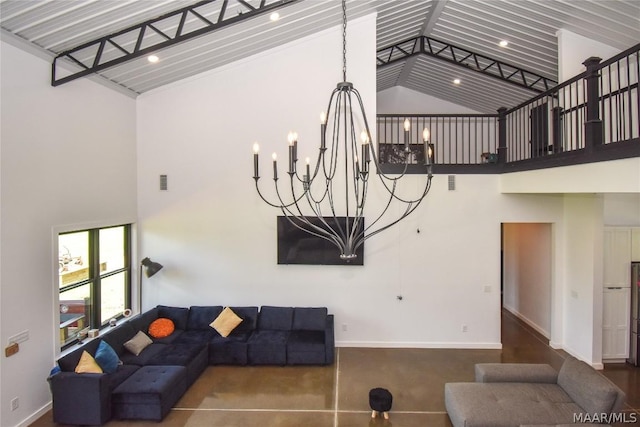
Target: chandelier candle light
[[313, 205]]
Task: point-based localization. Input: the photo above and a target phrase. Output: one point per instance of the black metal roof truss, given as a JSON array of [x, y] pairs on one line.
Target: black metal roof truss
[[159, 33], [424, 45]]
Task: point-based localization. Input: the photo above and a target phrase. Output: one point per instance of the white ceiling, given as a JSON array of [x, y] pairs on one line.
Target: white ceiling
[[530, 26]]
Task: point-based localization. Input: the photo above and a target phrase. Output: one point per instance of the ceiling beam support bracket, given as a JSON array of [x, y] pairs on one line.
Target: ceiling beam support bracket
[[424, 45], [92, 63]]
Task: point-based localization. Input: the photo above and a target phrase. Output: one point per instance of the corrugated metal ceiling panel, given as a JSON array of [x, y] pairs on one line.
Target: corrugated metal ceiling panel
[[435, 77], [399, 20], [388, 76], [232, 43], [477, 25]]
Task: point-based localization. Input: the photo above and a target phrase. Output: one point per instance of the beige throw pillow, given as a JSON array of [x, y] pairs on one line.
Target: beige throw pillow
[[88, 365], [138, 343], [226, 322]]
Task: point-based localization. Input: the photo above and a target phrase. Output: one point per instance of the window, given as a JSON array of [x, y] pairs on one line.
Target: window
[[94, 278]]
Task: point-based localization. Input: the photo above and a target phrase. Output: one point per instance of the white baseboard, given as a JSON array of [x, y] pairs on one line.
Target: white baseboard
[[412, 344], [33, 417], [529, 322]]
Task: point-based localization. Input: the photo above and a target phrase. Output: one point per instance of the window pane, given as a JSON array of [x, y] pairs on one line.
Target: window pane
[[111, 249], [113, 296], [73, 257], [75, 312]]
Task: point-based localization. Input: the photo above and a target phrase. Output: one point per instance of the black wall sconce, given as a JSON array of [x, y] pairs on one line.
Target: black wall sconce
[[151, 267]]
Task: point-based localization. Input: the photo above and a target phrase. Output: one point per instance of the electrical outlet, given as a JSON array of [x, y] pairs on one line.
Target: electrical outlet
[[487, 289], [15, 403], [464, 328], [344, 327]]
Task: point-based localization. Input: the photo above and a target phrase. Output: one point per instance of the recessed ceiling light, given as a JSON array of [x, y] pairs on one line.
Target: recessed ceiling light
[[503, 43], [456, 81], [153, 59], [274, 16]]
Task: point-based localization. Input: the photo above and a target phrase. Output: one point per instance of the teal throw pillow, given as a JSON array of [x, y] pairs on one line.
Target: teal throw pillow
[[107, 358]]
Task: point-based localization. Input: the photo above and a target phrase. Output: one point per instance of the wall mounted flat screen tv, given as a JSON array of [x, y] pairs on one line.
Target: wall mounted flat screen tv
[[299, 247]]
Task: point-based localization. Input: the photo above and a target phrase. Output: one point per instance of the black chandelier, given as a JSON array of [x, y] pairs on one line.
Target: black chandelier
[[340, 175]]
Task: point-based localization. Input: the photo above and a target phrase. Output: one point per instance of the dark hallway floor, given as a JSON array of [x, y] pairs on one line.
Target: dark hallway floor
[[338, 395]]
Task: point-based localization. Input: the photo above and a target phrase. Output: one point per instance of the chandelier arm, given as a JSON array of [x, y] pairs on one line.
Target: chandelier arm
[[335, 131], [320, 232], [354, 157], [384, 211], [315, 175], [400, 199], [339, 235], [411, 207], [280, 206], [282, 203], [373, 149]]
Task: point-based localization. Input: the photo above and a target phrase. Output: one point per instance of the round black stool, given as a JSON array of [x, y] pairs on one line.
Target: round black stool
[[380, 400]]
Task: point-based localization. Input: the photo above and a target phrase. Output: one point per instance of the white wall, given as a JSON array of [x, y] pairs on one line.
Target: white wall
[[574, 49], [622, 209], [68, 157], [582, 313], [217, 239], [402, 100], [616, 176], [528, 273]]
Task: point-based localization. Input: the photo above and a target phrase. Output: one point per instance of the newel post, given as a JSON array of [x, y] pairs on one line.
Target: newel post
[[593, 124], [502, 135]]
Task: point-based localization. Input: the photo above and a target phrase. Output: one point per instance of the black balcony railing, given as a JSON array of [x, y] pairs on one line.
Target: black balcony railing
[[591, 117]]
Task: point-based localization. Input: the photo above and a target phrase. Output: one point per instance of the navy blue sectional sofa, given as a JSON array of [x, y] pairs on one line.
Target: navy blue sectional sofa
[[147, 385]]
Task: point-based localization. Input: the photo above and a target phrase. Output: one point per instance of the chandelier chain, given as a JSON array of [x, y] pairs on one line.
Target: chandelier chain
[[344, 40]]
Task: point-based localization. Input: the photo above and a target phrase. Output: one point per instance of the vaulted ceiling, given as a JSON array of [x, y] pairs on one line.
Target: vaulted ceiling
[[472, 26]]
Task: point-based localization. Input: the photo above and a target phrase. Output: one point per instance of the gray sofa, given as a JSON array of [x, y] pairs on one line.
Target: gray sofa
[[519, 394]]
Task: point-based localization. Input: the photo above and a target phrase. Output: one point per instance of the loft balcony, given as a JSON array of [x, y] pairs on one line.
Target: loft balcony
[[592, 117]]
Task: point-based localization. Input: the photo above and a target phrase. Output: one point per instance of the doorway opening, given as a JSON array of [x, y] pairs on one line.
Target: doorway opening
[[526, 259]]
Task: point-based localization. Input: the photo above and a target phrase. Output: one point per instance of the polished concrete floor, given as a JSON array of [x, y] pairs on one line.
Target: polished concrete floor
[[338, 395]]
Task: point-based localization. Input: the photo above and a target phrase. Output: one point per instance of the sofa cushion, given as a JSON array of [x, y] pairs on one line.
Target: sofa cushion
[[306, 347], [179, 315], [508, 404], [275, 318], [195, 337], [200, 317], [306, 341], [68, 362], [161, 327], [138, 343], [118, 336], [226, 322], [122, 373], [267, 347], [149, 393], [515, 373], [143, 358], [587, 387], [142, 321], [249, 316], [309, 318], [87, 365], [107, 358], [231, 350], [177, 354]]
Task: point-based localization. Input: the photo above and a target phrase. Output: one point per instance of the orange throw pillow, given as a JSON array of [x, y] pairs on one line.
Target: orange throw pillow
[[161, 328]]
